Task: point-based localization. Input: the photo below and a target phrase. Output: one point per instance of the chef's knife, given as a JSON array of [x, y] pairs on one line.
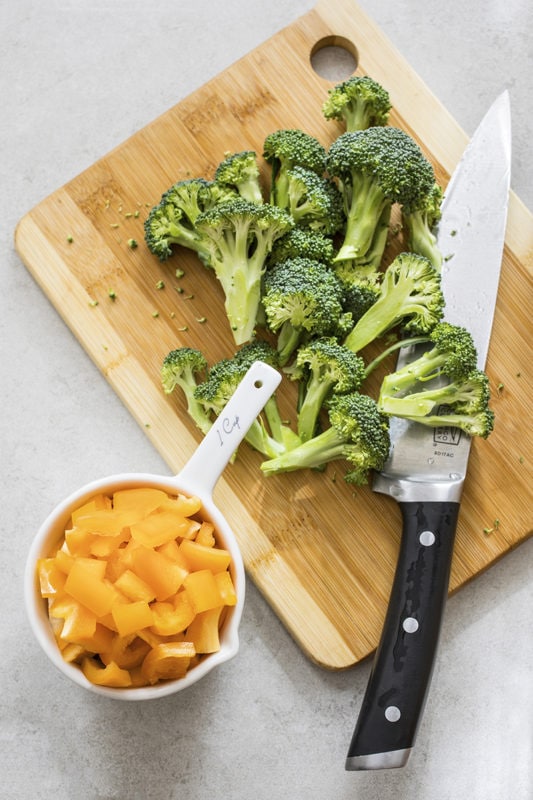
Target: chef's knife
[[426, 468]]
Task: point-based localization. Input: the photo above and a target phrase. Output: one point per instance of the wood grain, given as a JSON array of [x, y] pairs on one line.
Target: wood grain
[[322, 553]]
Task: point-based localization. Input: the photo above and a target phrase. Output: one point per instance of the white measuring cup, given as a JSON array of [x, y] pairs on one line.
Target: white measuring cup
[[198, 477]]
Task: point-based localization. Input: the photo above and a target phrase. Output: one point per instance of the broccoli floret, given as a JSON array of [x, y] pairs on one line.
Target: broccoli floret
[[184, 367], [314, 201], [410, 294], [375, 168], [442, 386], [359, 102], [173, 220], [241, 172], [222, 381], [358, 433], [239, 236], [301, 297], [303, 243], [420, 222], [286, 149], [329, 368]]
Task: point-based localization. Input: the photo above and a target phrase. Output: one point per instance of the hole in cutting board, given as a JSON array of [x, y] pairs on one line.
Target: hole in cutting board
[[334, 58]]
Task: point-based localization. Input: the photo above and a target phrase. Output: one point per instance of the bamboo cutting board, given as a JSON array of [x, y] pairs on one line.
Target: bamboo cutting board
[[322, 552]]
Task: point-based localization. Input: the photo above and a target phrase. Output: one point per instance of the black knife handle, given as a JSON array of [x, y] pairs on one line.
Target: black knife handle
[[401, 673]]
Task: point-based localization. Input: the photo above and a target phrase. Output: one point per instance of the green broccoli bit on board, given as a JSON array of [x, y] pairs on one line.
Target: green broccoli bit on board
[[329, 368], [410, 294], [301, 297], [360, 102], [420, 223], [239, 236], [358, 433], [286, 149], [303, 243], [375, 168], [184, 367], [241, 172]]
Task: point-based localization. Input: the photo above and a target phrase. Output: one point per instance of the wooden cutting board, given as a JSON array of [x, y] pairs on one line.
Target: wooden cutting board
[[322, 552]]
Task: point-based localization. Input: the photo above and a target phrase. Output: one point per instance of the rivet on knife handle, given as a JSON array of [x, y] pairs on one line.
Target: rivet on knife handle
[[401, 673]]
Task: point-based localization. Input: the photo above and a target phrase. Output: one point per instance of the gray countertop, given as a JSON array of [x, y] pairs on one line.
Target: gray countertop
[[76, 79]]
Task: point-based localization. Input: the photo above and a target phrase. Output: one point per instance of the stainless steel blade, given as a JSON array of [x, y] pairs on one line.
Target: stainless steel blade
[[425, 463]]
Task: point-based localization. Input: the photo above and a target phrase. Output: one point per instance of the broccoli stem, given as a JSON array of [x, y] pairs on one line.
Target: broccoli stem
[[315, 395], [368, 204], [288, 340], [242, 300], [327, 446]]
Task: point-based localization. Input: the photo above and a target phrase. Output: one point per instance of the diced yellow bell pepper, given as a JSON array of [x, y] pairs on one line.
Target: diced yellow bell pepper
[[111, 675], [160, 527], [164, 576], [127, 652], [79, 623], [206, 535], [167, 661], [172, 618], [98, 503], [202, 590], [132, 617], [203, 631], [226, 588], [85, 582], [182, 504], [141, 501], [200, 557], [51, 579], [134, 587], [99, 641]]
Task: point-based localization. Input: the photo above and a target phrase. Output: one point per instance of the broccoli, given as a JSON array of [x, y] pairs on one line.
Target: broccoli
[[301, 297], [173, 220], [286, 149], [410, 294], [358, 433], [420, 222], [239, 236], [183, 367], [330, 369], [221, 382], [375, 168], [304, 243], [314, 201], [442, 386], [241, 172], [359, 102]]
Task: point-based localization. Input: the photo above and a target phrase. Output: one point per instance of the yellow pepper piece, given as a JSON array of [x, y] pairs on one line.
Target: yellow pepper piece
[[85, 582], [98, 503], [141, 500], [51, 579], [204, 631], [131, 617], [206, 535], [226, 588], [187, 506], [159, 572], [167, 661], [79, 623], [127, 652], [134, 587], [172, 618], [202, 590], [111, 675], [200, 557], [161, 527]]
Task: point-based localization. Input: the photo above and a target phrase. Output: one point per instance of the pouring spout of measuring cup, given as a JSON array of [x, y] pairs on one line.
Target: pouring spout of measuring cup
[[204, 468]]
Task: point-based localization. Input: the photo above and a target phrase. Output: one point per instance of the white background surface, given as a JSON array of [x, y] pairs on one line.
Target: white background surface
[[76, 79]]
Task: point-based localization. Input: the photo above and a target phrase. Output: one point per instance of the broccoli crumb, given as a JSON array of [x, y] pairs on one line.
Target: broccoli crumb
[[70, 239], [93, 303], [201, 319], [132, 244], [495, 525], [155, 314], [179, 273], [112, 295], [160, 285]]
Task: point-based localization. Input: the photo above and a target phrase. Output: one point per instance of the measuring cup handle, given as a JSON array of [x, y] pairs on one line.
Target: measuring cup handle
[[207, 463]]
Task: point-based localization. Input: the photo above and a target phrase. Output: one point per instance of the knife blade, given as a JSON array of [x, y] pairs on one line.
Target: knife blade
[[426, 468]]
